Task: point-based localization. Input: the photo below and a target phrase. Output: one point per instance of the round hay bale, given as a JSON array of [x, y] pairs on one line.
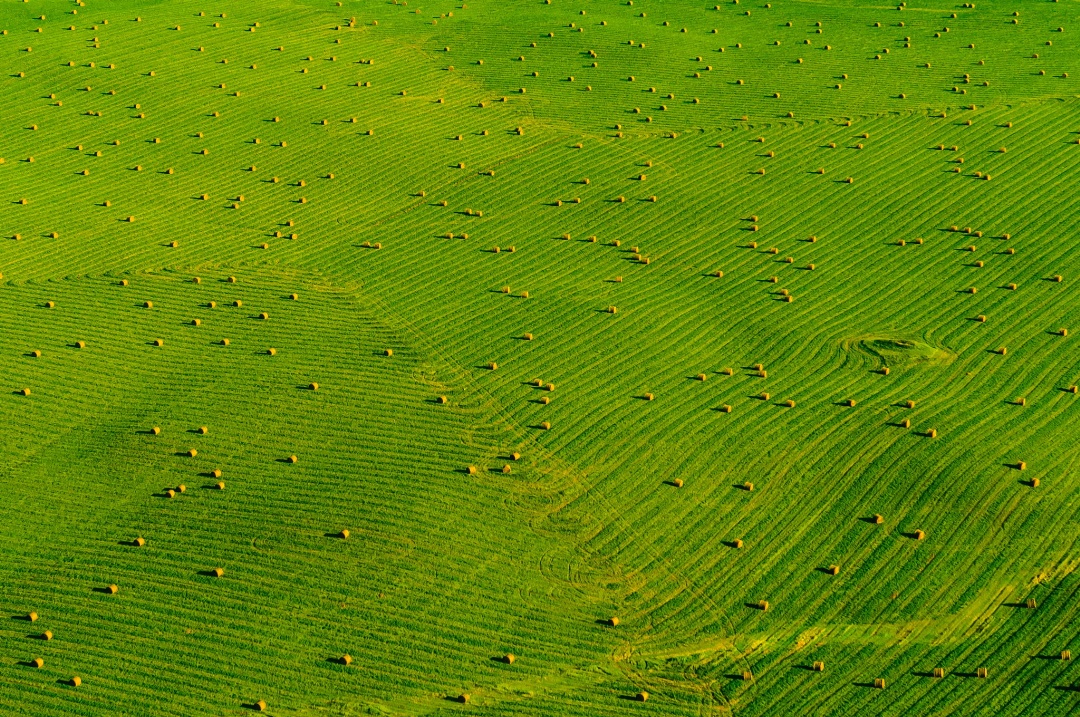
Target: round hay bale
[[32, 616], [170, 493], [181, 488], [159, 342], [271, 352], [506, 468], [678, 482], [37, 662], [112, 589], [313, 386], [139, 542], [641, 696], [224, 342], [75, 681], [218, 572], [345, 659], [344, 534], [192, 452], [545, 426], [292, 459], [47, 635], [259, 706], [220, 485], [196, 322], [36, 353], [648, 397], [388, 352], [203, 430], [26, 392]]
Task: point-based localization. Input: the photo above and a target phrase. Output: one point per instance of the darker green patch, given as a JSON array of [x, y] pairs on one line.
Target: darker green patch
[[903, 352]]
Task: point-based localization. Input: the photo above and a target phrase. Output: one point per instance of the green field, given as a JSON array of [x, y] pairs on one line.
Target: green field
[[566, 312]]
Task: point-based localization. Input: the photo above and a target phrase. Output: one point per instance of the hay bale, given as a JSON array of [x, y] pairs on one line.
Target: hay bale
[[441, 400], [37, 662], [260, 706], [216, 473], [192, 452], [981, 673], [737, 543], [203, 430], [701, 377], [1021, 465], [789, 403], [938, 672], [878, 519], [36, 353], [492, 366], [509, 658], [313, 386], [515, 456], [292, 459], [1066, 655], [170, 493], [344, 534], [726, 408], [112, 589], [545, 426], [26, 392], [1030, 604], [641, 696], [217, 572], [763, 605], [528, 337], [748, 486], [613, 621], [471, 470], [764, 396], [220, 485], [345, 659], [139, 542], [75, 681], [32, 616], [506, 468], [47, 635], [819, 666], [879, 683], [678, 482], [850, 402], [181, 488], [463, 698], [833, 570], [918, 535], [648, 397], [388, 352], [225, 342], [159, 342]]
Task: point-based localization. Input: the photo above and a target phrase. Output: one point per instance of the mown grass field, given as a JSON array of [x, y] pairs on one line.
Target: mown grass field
[[677, 269]]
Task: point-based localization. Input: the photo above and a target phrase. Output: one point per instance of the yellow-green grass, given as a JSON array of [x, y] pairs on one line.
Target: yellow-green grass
[[444, 571]]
